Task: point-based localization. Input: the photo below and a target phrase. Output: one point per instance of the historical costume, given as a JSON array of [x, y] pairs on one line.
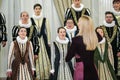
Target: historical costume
[[104, 61], [84, 68], [43, 62], [59, 66], [76, 13], [31, 34], [3, 34], [21, 59], [117, 15], [3, 40], [112, 36], [70, 33]]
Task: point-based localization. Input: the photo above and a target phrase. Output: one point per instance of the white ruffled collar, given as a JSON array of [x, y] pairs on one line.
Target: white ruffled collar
[[102, 41], [71, 30], [25, 25], [37, 17], [116, 12], [19, 40], [109, 24], [78, 9], [62, 41]]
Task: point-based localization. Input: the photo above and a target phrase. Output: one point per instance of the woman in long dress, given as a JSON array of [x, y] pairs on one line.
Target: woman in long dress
[[21, 58], [43, 58], [82, 48], [103, 58], [60, 68]]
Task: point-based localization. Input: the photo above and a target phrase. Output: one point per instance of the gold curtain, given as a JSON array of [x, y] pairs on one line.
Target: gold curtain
[[0, 2], [61, 6]]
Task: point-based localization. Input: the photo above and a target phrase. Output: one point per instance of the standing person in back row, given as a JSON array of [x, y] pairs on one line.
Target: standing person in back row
[[43, 61], [116, 10], [112, 35], [76, 11]]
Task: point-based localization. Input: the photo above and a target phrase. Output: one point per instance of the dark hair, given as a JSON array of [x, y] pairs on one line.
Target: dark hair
[[100, 27], [60, 28], [114, 18], [37, 5], [114, 1], [69, 19], [21, 28]]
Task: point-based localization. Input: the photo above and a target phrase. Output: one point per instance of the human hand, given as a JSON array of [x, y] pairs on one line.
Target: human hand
[[9, 73], [118, 54], [3, 43], [35, 57]]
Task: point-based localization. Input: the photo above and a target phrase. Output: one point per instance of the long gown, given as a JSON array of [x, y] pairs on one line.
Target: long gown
[[61, 68], [85, 68], [21, 60], [104, 61], [112, 35], [117, 15], [43, 62]]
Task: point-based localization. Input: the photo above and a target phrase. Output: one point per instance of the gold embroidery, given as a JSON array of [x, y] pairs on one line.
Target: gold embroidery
[[113, 35], [74, 14]]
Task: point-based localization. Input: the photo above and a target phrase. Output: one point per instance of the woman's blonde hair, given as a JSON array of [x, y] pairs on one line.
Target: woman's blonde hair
[[87, 31]]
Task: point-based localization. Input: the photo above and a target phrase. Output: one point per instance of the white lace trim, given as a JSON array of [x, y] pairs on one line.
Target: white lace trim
[[78, 9], [25, 25], [102, 41], [37, 17], [19, 40], [116, 13], [62, 41], [109, 24], [71, 30]]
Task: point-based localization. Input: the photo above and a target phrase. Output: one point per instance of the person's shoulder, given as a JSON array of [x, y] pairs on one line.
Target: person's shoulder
[[77, 38]]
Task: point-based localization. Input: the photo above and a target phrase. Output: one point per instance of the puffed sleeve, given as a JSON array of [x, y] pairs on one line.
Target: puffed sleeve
[[3, 27], [14, 32], [31, 56], [10, 56], [35, 42]]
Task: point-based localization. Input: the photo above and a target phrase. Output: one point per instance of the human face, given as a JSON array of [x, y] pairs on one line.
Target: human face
[[37, 10], [76, 3], [109, 18], [22, 33], [24, 17], [62, 34], [100, 31], [69, 24], [116, 6]]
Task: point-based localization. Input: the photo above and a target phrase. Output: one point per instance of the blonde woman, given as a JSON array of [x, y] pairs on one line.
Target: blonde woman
[[83, 47]]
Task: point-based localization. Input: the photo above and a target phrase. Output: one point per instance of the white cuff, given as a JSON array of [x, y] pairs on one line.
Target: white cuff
[[52, 71], [9, 70], [33, 69]]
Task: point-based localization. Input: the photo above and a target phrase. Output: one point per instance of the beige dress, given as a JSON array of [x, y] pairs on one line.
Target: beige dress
[[43, 62]]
